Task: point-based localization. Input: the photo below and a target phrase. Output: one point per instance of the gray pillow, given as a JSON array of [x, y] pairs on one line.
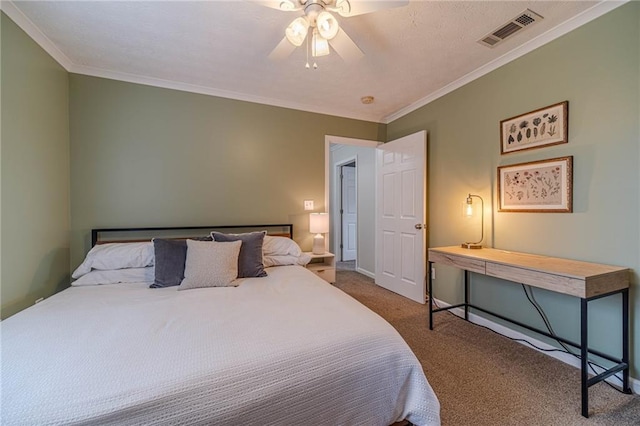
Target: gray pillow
[[250, 260], [169, 263], [170, 257]]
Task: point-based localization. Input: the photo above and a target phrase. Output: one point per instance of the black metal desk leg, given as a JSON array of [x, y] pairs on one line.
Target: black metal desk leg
[[466, 295], [625, 340], [430, 287], [584, 354]]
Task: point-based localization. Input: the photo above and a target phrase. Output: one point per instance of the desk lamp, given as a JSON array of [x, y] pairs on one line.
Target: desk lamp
[[469, 213]]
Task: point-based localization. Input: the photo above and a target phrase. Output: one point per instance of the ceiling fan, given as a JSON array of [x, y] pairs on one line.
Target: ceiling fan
[[321, 28]]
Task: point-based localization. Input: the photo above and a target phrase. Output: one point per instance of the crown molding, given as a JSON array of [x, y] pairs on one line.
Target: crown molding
[[204, 90], [16, 15], [588, 15], [34, 32], [601, 8]]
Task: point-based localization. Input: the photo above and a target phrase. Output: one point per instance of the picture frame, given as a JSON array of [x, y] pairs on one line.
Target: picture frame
[[544, 186], [542, 127]]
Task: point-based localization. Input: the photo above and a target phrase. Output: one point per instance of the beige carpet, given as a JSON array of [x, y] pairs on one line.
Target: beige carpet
[[349, 265], [482, 378]]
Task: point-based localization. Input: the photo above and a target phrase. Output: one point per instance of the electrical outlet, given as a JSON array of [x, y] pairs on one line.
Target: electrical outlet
[[308, 204], [433, 273]]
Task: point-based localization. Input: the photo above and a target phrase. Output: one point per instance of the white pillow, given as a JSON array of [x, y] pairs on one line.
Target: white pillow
[[116, 256], [288, 259], [280, 246], [129, 275], [210, 264]]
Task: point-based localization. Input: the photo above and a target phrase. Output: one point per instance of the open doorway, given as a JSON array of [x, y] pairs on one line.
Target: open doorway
[[347, 228], [355, 234], [397, 252]]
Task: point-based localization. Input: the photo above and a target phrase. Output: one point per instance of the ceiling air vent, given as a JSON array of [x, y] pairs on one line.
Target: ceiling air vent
[[526, 18]]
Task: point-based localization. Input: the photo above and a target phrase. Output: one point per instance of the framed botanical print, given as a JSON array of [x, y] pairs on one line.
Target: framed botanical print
[[537, 186], [535, 129]]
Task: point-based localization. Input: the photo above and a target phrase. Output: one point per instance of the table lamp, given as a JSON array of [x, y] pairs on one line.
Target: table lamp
[[318, 224], [469, 213]]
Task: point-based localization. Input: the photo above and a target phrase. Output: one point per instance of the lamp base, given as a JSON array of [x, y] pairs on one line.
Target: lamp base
[[318, 244], [471, 245]]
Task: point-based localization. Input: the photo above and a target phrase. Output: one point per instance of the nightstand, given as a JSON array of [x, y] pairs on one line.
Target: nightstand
[[323, 265]]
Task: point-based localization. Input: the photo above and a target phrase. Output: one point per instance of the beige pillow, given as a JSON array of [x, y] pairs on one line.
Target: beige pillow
[[210, 264]]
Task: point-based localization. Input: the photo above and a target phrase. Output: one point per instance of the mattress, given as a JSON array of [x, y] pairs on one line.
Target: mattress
[[284, 349]]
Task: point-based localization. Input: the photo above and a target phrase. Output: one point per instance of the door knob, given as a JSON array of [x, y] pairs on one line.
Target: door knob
[[419, 226]]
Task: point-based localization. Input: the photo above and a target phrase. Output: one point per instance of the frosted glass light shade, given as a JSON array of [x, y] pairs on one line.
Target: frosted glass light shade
[[287, 5], [327, 25], [297, 30], [319, 223], [319, 45]]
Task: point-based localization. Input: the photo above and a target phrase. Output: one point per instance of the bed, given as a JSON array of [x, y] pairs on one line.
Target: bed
[[286, 348]]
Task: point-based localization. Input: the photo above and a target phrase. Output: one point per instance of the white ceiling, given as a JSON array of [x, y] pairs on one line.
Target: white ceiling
[[413, 54]]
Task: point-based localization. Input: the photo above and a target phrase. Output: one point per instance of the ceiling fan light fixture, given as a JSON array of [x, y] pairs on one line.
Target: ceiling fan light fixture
[[319, 44], [287, 5], [327, 25], [343, 7], [297, 30]]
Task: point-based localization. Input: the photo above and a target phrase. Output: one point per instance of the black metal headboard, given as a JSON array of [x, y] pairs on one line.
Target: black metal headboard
[[118, 234]]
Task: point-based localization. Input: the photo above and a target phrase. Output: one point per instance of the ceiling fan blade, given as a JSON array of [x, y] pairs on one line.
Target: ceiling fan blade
[[345, 47], [282, 50], [360, 7], [285, 5]]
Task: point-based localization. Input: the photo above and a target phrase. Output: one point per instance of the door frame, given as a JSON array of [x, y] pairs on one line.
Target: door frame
[[328, 170]]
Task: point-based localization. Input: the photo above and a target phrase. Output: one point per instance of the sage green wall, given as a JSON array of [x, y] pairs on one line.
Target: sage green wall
[[597, 69], [145, 156], [35, 172]]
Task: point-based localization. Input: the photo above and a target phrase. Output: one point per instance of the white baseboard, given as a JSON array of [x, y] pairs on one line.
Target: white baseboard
[[508, 332], [367, 273]]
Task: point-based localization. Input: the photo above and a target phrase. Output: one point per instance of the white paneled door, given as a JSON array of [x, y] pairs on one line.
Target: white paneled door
[[349, 213], [400, 216]]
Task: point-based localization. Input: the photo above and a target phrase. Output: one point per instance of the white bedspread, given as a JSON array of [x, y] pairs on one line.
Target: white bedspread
[[288, 349]]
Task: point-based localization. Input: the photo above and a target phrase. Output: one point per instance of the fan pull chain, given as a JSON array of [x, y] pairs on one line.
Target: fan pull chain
[[307, 64], [307, 51], [315, 64]]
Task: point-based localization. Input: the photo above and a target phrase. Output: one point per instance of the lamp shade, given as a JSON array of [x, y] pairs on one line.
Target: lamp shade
[[297, 30], [287, 5], [469, 208], [469, 213], [327, 25], [319, 45], [319, 223]]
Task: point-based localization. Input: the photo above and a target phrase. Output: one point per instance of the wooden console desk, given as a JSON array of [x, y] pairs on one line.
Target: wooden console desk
[[588, 281]]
